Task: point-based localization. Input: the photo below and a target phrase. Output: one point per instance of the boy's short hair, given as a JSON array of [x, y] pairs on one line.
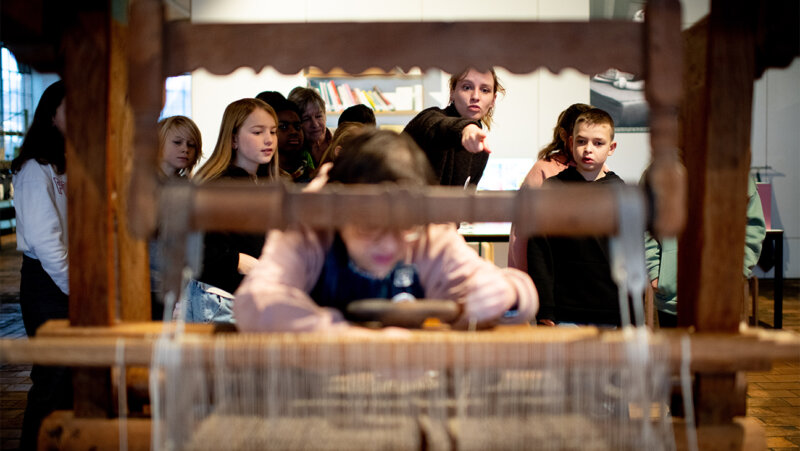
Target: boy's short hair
[[270, 97], [594, 116], [358, 113], [281, 105]]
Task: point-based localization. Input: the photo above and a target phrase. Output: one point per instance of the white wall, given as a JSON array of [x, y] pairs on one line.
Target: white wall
[[775, 143]]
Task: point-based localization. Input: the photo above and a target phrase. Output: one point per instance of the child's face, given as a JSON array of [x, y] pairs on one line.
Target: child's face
[[474, 95], [376, 250], [313, 123], [255, 142], [180, 150], [290, 132], [591, 145]]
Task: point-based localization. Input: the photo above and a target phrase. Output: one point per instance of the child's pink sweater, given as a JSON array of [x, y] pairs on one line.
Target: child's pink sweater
[[274, 295]]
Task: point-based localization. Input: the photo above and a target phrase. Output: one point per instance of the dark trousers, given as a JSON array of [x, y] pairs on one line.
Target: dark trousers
[[667, 320], [41, 300]]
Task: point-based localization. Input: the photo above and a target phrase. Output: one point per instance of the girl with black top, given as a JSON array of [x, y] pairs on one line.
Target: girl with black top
[[247, 148]]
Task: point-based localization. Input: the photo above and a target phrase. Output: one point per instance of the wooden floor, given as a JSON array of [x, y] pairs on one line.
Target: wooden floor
[[773, 396]]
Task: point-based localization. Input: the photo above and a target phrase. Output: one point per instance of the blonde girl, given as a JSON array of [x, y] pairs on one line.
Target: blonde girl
[[246, 126], [180, 146], [247, 148]]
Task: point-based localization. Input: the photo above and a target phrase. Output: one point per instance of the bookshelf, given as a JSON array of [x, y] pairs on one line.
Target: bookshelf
[[396, 96]]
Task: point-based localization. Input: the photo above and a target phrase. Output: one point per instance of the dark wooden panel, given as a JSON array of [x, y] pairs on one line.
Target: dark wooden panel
[[520, 47]]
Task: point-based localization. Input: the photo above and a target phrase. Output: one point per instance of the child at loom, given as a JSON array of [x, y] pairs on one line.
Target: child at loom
[[573, 275], [305, 278]]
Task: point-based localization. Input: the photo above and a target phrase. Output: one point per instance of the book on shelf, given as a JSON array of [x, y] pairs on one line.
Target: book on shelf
[[376, 99], [386, 103], [346, 95], [334, 95], [337, 97]]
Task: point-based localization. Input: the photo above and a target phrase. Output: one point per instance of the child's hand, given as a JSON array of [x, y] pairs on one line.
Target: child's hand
[[320, 180], [473, 138], [490, 297], [246, 263]]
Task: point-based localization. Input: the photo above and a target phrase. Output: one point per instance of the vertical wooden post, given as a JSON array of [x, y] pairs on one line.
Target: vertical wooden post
[[91, 229], [663, 94], [103, 258], [716, 116], [716, 130], [132, 263], [146, 88]]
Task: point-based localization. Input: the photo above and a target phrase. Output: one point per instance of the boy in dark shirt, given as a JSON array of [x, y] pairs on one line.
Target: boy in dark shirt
[[573, 275]]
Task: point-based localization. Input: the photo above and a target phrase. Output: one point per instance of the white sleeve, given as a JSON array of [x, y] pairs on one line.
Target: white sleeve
[[37, 210]]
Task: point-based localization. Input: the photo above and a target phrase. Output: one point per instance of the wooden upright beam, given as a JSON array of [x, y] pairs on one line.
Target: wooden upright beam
[[91, 234], [92, 275], [146, 91], [716, 117], [132, 264], [108, 268], [663, 70]]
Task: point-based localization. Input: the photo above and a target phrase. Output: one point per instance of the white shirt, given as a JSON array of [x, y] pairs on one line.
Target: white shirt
[[40, 201]]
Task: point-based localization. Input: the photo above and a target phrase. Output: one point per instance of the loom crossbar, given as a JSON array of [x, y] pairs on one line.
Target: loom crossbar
[[503, 348]]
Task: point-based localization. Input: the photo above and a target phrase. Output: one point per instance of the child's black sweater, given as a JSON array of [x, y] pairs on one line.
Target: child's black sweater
[[573, 274]]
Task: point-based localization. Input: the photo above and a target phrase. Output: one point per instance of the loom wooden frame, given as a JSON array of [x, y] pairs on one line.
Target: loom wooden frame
[[115, 64]]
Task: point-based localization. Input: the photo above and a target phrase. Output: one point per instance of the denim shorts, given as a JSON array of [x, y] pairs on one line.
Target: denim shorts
[[208, 304]]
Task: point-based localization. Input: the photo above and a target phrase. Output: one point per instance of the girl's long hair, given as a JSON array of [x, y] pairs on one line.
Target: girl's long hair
[[223, 156], [344, 133], [566, 122], [44, 142]]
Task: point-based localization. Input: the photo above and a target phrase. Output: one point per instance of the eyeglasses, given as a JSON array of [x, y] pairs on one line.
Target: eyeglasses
[[283, 126], [376, 233]]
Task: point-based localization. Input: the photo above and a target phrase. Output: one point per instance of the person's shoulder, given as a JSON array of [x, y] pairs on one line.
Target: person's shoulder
[[611, 177], [549, 167], [33, 169], [233, 171], [569, 174], [432, 111]]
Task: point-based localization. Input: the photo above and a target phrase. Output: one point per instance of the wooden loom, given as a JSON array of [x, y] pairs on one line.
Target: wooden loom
[[114, 64]]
